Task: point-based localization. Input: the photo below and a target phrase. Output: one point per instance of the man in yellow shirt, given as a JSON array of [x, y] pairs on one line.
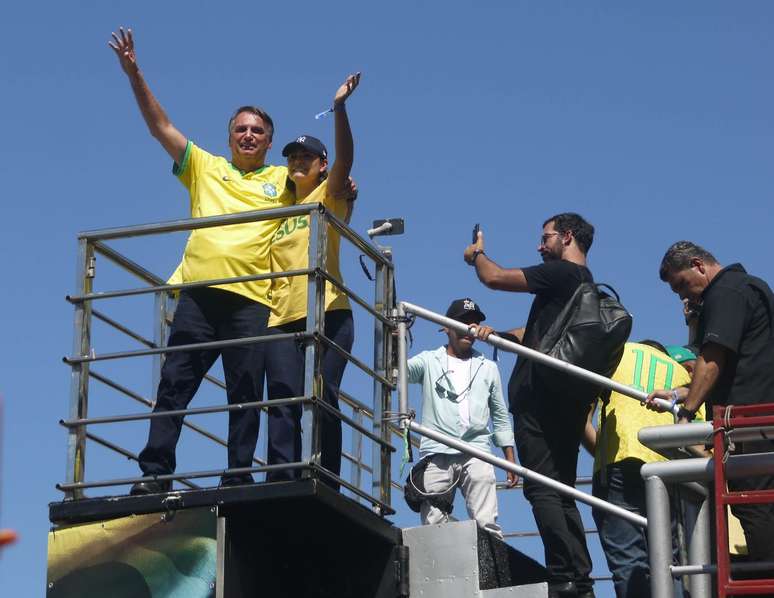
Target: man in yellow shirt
[[618, 456], [238, 310]]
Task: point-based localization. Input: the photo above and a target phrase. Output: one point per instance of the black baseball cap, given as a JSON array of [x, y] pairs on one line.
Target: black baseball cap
[[309, 143], [460, 308]]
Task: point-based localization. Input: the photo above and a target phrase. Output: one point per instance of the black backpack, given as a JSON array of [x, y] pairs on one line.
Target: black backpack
[[589, 332]]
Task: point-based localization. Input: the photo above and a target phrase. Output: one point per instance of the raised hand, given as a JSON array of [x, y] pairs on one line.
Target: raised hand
[[470, 250], [346, 89], [123, 46]]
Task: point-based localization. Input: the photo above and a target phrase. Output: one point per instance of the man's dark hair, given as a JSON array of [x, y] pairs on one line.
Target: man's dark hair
[[655, 344], [264, 116], [582, 231], [678, 258]]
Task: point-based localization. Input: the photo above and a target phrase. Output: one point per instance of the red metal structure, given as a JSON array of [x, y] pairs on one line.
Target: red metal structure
[[724, 420]]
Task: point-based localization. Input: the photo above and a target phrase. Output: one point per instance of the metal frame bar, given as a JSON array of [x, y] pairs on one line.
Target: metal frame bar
[[541, 358], [182, 286], [79, 376], [354, 360], [185, 224], [361, 243], [94, 242], [355, 426], [352, 295], [142, 400], [124, 262], [112, 419], [383, 507], [211, 473], [128, 454], [659, 537], [248, 340], [315, 328], [488, 457], [384, 302]]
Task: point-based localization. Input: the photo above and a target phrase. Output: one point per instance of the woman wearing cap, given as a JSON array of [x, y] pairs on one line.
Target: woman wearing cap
[[312, 182]]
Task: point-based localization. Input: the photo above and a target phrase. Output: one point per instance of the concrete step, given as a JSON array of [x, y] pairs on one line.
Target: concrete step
[[458, 560]]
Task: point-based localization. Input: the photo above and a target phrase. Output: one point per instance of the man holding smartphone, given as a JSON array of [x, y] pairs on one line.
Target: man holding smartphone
[[548, 425]]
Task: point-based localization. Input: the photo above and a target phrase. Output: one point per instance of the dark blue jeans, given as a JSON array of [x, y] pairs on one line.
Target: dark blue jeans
[[285, 378], [204, 315], [625, 544]]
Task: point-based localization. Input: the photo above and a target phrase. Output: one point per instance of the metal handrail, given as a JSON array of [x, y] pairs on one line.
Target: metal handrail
[[187, 224], [248, 340], [182, 286], [486, 456], [542, 358], [113, 419], [92, 243], [133, 395]]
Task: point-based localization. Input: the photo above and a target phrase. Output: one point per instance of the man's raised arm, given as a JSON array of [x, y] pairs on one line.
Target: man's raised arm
[[172, 140], [492, 275]]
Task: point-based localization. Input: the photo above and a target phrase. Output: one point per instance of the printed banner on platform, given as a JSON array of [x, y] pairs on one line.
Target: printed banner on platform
[[135, 557]]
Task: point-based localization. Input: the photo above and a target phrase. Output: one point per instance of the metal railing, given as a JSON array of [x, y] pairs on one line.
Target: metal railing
[[367, 422], [697, 474], [404, 308], [664, 439]]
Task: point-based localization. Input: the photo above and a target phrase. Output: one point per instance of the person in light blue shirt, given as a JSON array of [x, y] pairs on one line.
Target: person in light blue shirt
[[461, 394]]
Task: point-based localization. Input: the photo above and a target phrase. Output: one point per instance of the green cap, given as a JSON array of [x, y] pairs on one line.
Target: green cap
[[680, 354]]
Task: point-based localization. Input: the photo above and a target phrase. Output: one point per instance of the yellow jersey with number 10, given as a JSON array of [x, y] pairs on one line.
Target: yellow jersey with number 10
[[647, 369], [290, 251]]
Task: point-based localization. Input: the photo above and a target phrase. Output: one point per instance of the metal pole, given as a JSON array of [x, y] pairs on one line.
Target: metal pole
[[682, 541], [659, 538], [682, 435], [700, 552], [79, 377], [701, 469], [588, 499], [315, 327], [356, 466], [388, 301], [377, 458], [403, 401], [539, 357], [157, 228]]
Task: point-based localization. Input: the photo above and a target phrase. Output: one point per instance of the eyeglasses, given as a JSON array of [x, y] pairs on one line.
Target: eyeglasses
[[544, 238]]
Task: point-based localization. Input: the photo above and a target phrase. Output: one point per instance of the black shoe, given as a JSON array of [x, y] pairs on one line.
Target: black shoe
[[586, 594], [152, 487], [562, 589], [236, 480]]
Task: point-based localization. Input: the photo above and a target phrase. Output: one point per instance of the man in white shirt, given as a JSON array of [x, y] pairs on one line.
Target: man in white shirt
[[462, 392]]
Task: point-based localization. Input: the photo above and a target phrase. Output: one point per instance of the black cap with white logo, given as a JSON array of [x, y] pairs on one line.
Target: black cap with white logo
[[309, 143], [460, 308]]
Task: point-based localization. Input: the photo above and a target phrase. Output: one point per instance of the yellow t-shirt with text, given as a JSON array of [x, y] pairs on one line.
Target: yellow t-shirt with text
[[290, 251], [216, 187]]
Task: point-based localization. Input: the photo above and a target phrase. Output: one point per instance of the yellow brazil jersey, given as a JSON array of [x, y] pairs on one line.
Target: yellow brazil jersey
[[290, 251], [216, 187], [646, 369]]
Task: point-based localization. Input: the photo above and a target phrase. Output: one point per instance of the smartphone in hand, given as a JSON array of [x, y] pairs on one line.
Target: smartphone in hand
[[475, 233]]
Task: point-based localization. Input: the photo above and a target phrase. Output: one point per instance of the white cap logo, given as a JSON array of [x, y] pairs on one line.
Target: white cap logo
[[301, 139], [468, 305]]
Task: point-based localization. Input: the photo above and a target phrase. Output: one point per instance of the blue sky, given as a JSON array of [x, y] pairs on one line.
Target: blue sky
[[653, 120]]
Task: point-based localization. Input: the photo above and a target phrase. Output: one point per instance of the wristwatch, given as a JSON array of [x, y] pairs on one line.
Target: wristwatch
[[476, 253], [684, 413]]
